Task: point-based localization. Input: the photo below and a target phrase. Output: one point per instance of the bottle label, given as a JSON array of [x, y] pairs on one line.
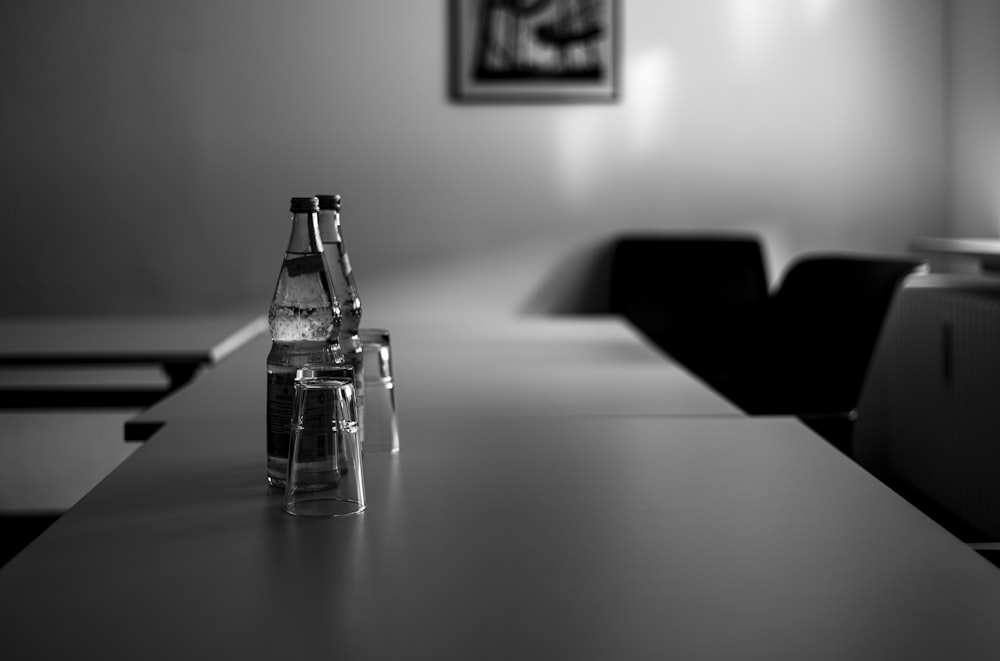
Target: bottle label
[[304, 265], [280, 398], [317, 436], [315, 429]]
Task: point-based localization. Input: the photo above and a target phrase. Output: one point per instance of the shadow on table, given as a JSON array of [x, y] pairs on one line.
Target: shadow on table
[[17, 531]]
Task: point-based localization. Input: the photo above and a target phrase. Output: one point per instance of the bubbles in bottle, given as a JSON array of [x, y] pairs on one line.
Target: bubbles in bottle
[[301, 310], [289, 323]]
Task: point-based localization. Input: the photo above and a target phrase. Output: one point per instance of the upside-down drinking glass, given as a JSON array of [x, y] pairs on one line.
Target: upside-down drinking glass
[[379, 426], [325, 476]]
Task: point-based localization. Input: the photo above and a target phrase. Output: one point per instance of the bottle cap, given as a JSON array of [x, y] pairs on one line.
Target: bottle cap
[[304, 205], [329, 202]]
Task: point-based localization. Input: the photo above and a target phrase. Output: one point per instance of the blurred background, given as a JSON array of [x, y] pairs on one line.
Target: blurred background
[[149, 149]]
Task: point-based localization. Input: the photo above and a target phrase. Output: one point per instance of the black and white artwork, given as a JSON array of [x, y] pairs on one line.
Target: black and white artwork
[[535, 50]]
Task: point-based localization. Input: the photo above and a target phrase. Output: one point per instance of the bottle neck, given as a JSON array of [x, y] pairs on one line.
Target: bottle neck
[[329, 226], [305, 236]]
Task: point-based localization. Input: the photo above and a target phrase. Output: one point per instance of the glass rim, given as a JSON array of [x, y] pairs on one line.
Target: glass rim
[[332, 373]]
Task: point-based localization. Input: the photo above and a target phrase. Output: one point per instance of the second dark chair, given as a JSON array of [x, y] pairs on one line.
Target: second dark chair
[[815, 339]]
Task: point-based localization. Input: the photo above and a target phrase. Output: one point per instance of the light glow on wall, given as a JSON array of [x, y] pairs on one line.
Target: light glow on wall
[[817, 10], [650, 83], [754, 23], [586, 141], [578, 132], [758, 23]]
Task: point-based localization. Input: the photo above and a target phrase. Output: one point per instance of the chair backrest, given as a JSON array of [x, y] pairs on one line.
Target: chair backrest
[[823, 323], [688, 292], [929, 413]]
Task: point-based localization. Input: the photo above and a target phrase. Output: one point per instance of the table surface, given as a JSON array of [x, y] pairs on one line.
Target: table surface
[[983, 252], [50, 459], [524, 366], [973, 247], [583, 538], [125, 340], [563, 491]]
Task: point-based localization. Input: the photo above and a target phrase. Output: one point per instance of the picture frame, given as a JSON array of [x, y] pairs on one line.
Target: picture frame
[[541, 51]]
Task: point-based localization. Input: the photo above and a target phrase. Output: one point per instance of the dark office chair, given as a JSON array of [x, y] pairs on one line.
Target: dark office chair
[[928, 420], [813, 345], [691, 294]]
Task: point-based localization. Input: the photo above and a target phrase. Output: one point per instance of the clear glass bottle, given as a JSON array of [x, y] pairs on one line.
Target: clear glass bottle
[[344, 286], [304, 320]]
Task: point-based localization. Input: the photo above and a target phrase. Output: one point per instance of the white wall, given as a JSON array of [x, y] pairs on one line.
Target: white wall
[[149, 148], [976, 118]]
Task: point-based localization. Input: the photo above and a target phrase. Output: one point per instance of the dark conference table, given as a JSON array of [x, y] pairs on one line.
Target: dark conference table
[[184, 339], [113, 360], [597, 527], [67, 384]]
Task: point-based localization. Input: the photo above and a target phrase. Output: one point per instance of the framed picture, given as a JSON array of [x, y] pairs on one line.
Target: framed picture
[[534, 50]]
